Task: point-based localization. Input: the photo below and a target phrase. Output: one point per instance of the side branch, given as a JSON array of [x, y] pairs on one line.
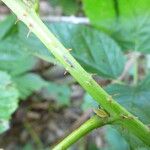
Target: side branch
[[88, 126]]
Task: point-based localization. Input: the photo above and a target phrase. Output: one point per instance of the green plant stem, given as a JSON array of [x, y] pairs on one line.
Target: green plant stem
[[88, 126], [34, 23]]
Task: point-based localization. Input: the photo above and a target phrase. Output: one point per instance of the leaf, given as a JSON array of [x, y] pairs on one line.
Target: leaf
[[135, 99], [17, 42], [134, 142], [127, 141], [32, 45], [6, 26], [59, 92], [112, 136], [133, 34], [69, 7], [4, 125], [14, 62], [101, 13], [8, 96], [106, 13], [29, 83], [8, 100], [88, 103], [13, 52], [93, 49], [96, 51], [126, 21]]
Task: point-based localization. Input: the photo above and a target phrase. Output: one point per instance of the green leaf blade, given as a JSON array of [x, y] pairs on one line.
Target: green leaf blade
[[8, 100], [96, 51], [60, 93], [29, 83], [135, 99], [126, 21]]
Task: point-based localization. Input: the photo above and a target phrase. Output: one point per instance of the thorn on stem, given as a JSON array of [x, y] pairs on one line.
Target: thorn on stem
[[68, 61], [110, 99], [93, 74], [30, 25], [88, 82], [127, 117], [124, 117], [69, 49], [17, 21], [131, 117], [28, 33], [24, 14], [65, 72]]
